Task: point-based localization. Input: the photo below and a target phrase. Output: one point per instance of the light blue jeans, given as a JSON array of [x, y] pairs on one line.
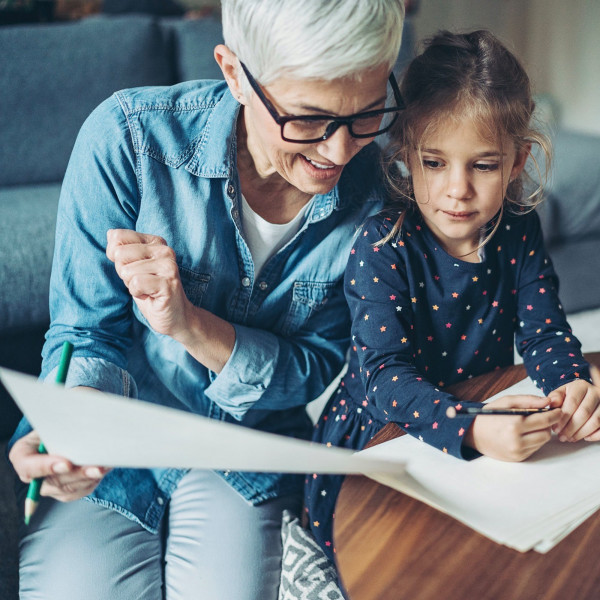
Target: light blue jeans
[[214, 546]]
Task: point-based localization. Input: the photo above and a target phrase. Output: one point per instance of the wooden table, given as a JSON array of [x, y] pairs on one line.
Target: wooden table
[[391, 546]]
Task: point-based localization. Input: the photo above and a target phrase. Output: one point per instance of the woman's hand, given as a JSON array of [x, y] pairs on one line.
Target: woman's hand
[[579, 403], [147, 267], [512, 438], [62, 480]]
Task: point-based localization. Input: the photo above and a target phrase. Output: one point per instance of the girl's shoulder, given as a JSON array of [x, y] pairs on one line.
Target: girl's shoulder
[[389, 222], [516, 225]]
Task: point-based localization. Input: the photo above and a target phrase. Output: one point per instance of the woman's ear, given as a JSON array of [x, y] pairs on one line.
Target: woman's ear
[[520, 160], [228, 63]]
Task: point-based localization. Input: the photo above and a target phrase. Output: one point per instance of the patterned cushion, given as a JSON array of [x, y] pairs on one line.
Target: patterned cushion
[[306, 572]]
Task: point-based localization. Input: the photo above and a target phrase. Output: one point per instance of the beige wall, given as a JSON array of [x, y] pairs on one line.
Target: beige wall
[[557, 40]]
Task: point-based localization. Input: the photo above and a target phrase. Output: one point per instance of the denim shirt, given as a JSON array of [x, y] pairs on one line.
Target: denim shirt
[[162, 160]]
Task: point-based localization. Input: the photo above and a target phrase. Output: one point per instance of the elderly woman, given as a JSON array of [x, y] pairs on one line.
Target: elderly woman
[[202, 236]]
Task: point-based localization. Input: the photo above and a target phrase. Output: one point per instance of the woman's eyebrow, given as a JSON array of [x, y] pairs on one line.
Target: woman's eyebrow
[[320, 110]]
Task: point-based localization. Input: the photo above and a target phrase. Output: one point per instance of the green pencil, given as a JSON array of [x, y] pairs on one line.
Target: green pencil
[[33, 493]]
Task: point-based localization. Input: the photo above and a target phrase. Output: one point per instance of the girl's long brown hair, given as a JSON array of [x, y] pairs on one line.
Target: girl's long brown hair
[[469, 75]]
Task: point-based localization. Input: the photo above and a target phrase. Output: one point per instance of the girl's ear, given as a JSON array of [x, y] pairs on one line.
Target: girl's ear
[[520, 160], [228, 63]]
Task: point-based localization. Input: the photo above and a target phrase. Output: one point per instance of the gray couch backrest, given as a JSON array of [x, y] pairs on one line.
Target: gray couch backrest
[[52, 76]]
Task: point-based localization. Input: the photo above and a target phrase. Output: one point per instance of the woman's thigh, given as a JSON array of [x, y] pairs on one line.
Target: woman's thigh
[[219, 547], [80, 550]]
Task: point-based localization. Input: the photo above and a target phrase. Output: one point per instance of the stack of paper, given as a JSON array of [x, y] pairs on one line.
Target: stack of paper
[[531, 504]]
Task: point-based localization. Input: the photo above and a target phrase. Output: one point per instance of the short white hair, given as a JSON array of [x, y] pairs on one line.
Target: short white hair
[[312, 39]]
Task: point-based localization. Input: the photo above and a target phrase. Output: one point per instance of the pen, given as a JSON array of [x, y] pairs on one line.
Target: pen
[[464, 411], [33, 492]]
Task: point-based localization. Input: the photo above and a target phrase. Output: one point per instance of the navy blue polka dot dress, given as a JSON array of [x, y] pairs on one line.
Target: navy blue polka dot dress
[[423, 320]]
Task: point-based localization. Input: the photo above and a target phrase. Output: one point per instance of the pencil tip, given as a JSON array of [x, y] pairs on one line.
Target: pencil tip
[[451, 412], [27, 519]]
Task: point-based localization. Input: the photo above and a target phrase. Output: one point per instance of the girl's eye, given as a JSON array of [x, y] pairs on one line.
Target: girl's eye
[[431, 163], [486, 167]]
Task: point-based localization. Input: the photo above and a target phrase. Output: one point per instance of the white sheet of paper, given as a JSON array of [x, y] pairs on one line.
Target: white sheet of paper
[[93, 428], [532, 504]]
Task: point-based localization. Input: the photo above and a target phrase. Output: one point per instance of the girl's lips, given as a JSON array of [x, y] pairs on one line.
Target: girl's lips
[[458, 215]]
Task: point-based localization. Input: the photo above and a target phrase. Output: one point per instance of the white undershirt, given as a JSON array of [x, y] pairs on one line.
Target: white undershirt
[[265, 239]]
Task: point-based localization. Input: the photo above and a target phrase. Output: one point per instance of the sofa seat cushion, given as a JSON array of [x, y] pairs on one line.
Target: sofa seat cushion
[[27, 224]]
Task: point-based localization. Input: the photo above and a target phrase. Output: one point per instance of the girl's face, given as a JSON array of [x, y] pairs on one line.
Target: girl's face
[[460, 181]]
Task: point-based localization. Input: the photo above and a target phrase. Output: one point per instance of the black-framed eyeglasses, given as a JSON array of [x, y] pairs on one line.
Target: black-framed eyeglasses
[[309, 129]]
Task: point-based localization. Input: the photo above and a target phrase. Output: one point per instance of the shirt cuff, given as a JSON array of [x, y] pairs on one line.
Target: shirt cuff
[[247, 373], [92, 372], [99, 374]]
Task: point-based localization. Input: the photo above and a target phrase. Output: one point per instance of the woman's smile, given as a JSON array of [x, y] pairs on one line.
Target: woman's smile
[[321, 170]]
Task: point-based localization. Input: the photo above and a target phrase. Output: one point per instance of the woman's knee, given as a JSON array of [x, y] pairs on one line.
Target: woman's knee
[[220, 544], [82, 550]]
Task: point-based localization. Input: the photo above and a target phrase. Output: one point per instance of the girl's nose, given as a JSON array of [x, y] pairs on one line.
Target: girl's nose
[[459, 186]]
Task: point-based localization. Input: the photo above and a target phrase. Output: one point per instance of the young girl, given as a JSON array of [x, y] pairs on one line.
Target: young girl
[[441, 287]]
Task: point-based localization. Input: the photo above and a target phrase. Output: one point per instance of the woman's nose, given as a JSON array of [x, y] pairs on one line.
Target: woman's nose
[[340, 147]]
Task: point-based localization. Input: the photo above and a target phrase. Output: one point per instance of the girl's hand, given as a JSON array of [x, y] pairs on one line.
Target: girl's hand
[[63, 480], [512, 438], [579, 403], [147, 267]]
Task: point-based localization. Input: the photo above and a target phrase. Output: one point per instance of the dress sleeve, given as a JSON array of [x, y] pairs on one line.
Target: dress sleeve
[[381, 307], [550, 351]]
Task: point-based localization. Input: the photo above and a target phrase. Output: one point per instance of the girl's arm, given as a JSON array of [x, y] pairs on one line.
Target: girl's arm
[[551, 353], [378, 293]]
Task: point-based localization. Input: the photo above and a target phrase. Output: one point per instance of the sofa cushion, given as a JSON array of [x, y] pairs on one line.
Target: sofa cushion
[[306, 573], [54, 75], [571, 209], [27, 224], [193, 43], [575, 264]]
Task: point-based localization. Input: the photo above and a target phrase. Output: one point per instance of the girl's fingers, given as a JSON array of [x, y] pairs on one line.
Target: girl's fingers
[[579, 414], [593, 437], [541, 422]]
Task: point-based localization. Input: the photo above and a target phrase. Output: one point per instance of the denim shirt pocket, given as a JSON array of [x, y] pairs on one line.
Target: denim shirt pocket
[[308, 297], [194, 284]]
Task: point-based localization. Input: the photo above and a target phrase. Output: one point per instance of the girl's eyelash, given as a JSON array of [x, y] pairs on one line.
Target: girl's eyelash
[[486, 166], [432, 163]]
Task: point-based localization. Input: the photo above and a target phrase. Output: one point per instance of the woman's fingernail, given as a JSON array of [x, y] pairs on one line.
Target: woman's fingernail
[[93, 472], [60, 468]]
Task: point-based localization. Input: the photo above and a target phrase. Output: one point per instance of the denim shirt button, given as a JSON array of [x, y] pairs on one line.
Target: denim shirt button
[[230, 191], [160, 500], [235, 214], [246, 281], [263, 285]]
